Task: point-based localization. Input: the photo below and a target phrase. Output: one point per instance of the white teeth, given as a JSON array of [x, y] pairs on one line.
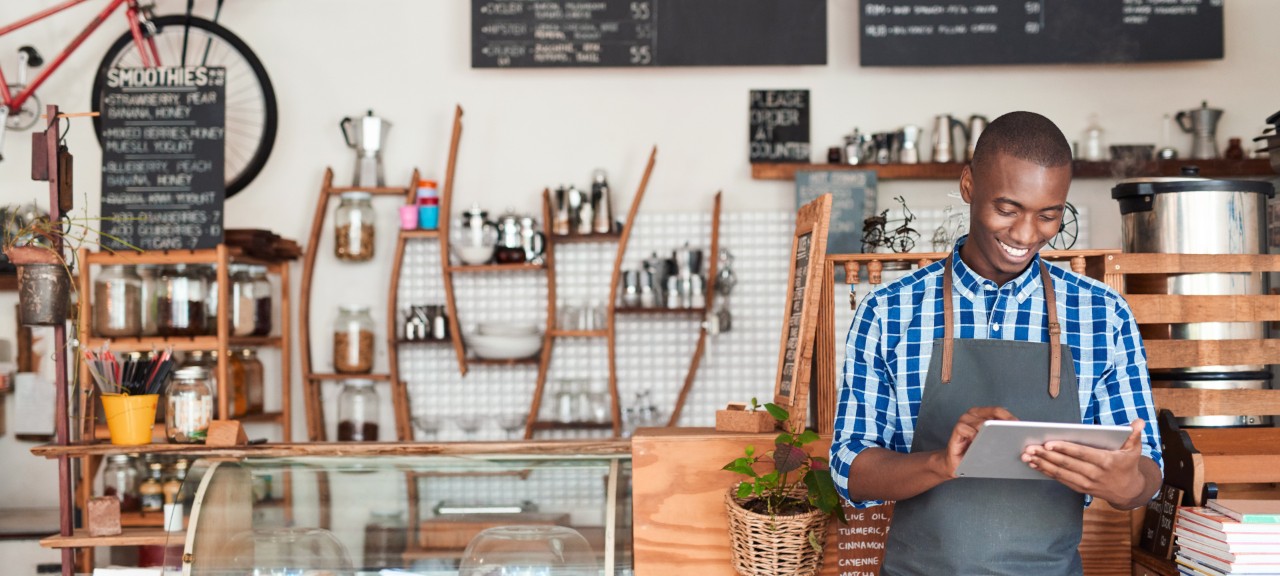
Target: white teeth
[[1016, 253]]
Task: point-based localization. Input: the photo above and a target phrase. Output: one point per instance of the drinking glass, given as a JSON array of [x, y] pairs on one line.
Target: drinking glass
[[428, 425], [512, 423], [469, 424]]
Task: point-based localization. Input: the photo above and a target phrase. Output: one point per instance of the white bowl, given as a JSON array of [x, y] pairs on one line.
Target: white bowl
[[506, 329], [493, 347], [474, 255]]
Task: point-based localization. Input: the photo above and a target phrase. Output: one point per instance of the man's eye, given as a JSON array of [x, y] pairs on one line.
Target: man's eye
[[1004, 212]]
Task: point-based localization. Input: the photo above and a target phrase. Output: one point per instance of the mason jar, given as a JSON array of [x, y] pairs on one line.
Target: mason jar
[[149, 276], [262, 301], [120, 479], [254, 380], [188, 406], [354, 227], [243, 306], [353, 340], [181, 294], [210, 274], [358, 411], [117, 302]]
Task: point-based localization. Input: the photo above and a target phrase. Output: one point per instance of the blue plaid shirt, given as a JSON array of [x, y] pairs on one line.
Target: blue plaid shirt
[[889, 345]]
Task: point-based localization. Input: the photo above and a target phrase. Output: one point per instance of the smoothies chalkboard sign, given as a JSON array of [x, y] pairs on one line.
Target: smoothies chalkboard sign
[[971, 32], [800, 322], [644, 33], [162, 157], [853, 198]]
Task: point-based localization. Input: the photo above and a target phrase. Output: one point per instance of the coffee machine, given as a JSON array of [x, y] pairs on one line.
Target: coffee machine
[[368, 135]]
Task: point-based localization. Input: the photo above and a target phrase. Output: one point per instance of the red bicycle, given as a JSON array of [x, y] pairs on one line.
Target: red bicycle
[[176, 40]]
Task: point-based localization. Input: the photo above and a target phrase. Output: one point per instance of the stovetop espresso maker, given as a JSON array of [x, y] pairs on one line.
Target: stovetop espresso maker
[[368, 135]]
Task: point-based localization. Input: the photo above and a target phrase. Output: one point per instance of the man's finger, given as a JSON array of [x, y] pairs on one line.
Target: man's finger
[[1069, 478], [1086, 467], [1134, 441]]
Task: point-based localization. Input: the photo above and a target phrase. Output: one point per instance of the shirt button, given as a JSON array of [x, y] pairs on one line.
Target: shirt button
[[996, 326]]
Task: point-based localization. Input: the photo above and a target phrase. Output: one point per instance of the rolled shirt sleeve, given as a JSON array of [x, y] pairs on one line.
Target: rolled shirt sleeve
[[1123, 393]]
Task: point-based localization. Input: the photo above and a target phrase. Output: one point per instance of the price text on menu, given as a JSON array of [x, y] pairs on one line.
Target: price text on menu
[[162, 157], [973, 32], [627, 33]]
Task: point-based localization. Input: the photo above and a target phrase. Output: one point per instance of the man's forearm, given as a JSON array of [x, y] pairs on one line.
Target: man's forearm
[[882, 474]]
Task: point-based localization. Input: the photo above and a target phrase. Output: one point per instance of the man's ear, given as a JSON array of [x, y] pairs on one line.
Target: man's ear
[[966, 183]]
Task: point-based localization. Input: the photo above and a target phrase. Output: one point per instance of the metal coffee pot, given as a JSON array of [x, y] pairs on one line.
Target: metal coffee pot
[[909, 145], [510, 247], [977, 123], [884, 142], [472, 225], [533, 241], [368, 135], [944, 142], [857, 148], [1202, 124]]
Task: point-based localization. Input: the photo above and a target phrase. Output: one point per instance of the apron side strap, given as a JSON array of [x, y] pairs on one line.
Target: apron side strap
[[948, 339], [1055, 331]]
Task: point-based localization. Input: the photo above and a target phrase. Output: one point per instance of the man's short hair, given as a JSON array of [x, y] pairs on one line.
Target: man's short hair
[[1025, 136]]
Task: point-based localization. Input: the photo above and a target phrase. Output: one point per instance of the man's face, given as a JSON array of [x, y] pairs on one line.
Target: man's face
[[1015, 208]]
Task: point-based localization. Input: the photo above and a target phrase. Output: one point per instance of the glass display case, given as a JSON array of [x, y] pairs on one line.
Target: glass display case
[[352, 515]]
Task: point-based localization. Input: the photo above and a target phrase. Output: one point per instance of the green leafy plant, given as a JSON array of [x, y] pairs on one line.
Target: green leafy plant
[[787, 471]]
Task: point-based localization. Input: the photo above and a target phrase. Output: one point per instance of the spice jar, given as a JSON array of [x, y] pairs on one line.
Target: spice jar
[[254, 376], [188, 406], [237, 386], [210, 274], [354, 230], [385, 539], [243, 306], [172, 485], [151, 490], [180, 301], [262, 299], [353, 340], [117, 302], [358, 412], [147, 296], [120, 479]]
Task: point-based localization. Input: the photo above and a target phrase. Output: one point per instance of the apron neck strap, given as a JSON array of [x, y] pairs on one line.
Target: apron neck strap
[[1055, 330]]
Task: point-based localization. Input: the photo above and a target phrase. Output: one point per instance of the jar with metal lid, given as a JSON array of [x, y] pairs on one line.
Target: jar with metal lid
[[149, 275], [358, 412], [181, 293], [255, 380], [243, 307], [353, 340], [210, 274], [262, 301], [188, 406], [120, 479], [207, 360], [354, 227], [117, 302], [151, 490]]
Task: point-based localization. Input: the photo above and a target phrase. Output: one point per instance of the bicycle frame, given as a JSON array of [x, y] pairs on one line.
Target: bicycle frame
[[143, 43]]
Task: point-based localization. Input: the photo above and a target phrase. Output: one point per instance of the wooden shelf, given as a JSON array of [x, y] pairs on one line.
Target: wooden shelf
[[530, 361], [255, 341], [127, 537], [8, 282], [495, 267], [690, 311], [379, 191], [584, 238], [579, 333], [235, 255], [419, 233], [517, 448], [543, 425], [331, 376], [180, 343], [403, 341], [1082, 169], [142, 519], [261, 417]]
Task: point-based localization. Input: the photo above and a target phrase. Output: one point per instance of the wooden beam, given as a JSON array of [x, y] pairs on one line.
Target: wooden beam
[[1186, 402], [515, 449], [1170, 309], [1189, 353], [1192, 263]]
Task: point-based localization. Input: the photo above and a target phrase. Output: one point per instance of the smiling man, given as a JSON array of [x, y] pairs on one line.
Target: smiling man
[[992, 332]]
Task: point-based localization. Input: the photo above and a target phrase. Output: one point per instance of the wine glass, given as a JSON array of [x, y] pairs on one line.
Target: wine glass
[[427, 424], [512, 423], [469, 424]]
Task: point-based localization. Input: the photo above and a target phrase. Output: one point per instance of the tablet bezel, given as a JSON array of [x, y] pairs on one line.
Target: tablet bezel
[[996, 452]]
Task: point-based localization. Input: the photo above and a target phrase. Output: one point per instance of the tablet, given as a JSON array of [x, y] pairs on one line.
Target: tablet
[[997, 450]]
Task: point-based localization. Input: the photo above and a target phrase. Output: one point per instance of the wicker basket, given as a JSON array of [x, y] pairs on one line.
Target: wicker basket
[[764, 545]]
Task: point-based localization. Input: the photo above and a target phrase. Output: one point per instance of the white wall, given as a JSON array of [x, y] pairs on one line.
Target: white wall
[[526, 129]]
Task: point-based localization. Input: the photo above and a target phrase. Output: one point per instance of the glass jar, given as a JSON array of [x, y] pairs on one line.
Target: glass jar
[[358, 412], [117, 302], [253, 376], [237, 386], [243, 306], [210, 274], [353, 340], [173, 482], [354, 227], [385, 539], [120, 479], [180, 301], [188, 406], [208, 361], [148, 274], [151, 490], [262, 301]]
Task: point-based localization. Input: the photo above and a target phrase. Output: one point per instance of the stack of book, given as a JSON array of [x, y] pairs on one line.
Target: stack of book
[[1229, 537]]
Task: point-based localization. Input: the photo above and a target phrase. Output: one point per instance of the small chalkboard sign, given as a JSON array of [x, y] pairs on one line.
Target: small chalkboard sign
[[163, 133], [973, 32], [779, 125], [1157, 526], [800, 323], [853, 198]]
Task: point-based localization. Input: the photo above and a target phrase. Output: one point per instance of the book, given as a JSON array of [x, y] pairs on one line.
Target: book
[[1223, 565], [1203, 543], [1183, 525], [1249, 511], [1189, 566], [1238, 556], [1217, 521]]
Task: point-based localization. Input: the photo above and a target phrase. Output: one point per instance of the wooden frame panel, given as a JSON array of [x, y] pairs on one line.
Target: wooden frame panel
[[800, 316]]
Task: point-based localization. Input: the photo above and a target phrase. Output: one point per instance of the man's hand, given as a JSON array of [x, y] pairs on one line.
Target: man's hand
[[1112, 475], [964, 432]]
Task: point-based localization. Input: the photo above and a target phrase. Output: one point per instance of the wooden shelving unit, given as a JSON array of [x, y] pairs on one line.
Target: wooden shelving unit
[[495, 267], [656, 311], [127, 537], [1081, 169]]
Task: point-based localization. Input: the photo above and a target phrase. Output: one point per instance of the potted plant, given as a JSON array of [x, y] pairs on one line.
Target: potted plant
[[778, 515]]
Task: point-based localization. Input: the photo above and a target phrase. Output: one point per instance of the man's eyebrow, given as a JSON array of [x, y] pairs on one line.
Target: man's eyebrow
[[1019, 206]]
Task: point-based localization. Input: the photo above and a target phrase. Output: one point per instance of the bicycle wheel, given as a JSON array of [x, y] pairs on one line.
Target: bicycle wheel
[[250, 100]]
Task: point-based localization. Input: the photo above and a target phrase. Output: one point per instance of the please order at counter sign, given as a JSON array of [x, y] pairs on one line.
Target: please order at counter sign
[[779, 126]]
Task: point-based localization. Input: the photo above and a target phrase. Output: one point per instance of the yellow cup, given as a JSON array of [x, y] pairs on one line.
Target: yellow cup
[[130, 418]]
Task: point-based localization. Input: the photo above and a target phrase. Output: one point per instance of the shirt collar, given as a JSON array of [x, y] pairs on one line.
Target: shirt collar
[[969, 284]]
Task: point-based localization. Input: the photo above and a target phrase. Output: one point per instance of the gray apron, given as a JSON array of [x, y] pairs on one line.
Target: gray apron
[[986, 526]]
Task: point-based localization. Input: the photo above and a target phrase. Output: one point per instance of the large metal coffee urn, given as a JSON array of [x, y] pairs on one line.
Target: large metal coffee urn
[[1192, 215]]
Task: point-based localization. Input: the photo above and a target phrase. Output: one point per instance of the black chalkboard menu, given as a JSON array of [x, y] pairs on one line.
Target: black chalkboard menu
[[622, 33], [162, 157], [779, 126], [972, 32]]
